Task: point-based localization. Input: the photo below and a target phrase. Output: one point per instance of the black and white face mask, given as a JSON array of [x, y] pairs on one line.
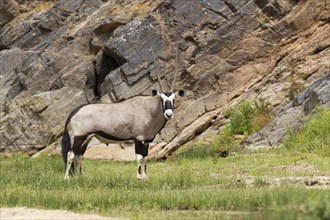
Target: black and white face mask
[[168, 101]]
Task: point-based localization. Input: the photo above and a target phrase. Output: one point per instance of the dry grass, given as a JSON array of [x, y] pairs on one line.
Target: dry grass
[[42, 6], [259, 122], [139, 10]]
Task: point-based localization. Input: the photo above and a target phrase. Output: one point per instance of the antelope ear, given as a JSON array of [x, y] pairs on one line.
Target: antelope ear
[[180, 92], [154, 92]]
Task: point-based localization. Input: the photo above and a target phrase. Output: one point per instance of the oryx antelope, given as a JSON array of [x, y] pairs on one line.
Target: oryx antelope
[[139, 118]]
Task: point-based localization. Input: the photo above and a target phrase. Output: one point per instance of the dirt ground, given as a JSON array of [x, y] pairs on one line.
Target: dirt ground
[[40, 214]]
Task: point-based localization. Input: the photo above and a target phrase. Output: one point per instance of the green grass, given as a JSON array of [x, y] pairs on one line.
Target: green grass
[[314, 136], [182, 188], [195, 185]]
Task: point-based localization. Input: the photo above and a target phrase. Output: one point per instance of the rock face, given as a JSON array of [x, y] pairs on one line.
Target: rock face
[[291, 116], [49, 65], [59, 55]]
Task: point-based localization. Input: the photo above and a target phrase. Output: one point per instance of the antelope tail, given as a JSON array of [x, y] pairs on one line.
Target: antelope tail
[[66, 144], [66, 141]]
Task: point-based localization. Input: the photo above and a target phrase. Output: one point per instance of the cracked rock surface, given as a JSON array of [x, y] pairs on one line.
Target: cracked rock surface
[[56, 56]]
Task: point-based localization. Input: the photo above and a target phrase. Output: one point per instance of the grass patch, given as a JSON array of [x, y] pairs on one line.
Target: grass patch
[[42, 6], [194, 185], [245, 120], [140, 10], [185, 188], [314, 135], [199, 150]]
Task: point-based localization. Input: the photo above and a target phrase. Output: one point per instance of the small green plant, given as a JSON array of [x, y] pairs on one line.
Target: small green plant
[[292, 63], [241, 120], [247, 119], [257, 71], [262, 107], [262, 115], [295, 88]]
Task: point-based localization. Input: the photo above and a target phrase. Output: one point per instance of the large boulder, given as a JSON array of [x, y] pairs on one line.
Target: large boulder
[[11, 83], [35, 122]]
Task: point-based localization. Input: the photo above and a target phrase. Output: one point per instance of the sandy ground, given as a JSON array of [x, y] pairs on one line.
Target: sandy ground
[[124, 151], [111, 152], [40, 214]]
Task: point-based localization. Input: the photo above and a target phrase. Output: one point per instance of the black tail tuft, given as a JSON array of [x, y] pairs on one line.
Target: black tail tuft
[[66, 145]]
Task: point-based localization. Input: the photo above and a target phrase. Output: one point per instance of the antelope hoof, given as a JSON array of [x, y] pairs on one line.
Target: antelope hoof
[[66, 177], [141, 177]]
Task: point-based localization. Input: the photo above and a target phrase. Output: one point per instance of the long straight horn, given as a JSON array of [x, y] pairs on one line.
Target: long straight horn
[[156, 69], [176, 68]]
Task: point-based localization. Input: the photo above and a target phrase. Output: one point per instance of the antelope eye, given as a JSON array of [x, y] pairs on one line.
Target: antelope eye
[[154, 92]]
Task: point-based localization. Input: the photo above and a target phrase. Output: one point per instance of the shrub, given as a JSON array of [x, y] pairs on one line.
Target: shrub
[[295, 88], [262, 107], [262, 115], [241, 120], [247, 119]]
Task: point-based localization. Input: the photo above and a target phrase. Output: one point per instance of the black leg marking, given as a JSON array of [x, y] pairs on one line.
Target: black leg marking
[[141, 148], [139, 170], [84, 147], [77, 147], [145, 168]]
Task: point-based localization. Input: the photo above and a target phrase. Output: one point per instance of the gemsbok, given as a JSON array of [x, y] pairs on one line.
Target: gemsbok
[[139, 119]]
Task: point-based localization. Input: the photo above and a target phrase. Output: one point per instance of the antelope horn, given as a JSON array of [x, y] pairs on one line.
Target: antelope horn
[[156, 69], [176, 67]]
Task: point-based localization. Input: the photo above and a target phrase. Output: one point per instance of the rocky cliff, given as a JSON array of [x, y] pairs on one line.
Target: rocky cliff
[[57, 55]]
